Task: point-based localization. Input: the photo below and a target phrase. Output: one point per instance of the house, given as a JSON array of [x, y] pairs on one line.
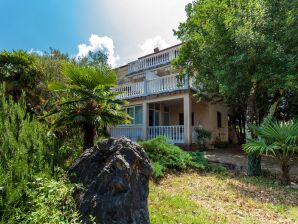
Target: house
[[162, 103]]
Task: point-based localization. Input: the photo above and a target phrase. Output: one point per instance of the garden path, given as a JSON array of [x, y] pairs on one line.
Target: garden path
[[236, 159]]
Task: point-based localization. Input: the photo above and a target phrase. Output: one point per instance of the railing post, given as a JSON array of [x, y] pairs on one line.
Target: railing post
[[145, 87], [186, 77], [145, 122]]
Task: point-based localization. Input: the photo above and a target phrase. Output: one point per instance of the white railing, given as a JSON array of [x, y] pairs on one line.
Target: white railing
[[130, 90], [166, 84], [159, 58], [148, 87], [174, 133], [133, 132]]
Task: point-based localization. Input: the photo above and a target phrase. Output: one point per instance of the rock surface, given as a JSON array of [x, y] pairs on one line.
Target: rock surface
[[115, 178]]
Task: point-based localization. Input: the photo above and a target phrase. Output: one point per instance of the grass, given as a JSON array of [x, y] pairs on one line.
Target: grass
[[221, 198]]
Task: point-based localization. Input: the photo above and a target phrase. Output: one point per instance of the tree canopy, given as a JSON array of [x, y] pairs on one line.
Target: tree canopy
[[244, 53], [232, 46]]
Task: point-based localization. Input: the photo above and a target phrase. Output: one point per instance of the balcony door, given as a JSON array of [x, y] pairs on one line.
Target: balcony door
[[154, 114]]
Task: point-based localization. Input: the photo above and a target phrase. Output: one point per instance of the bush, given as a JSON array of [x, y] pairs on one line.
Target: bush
[[26, 150], [49, 201], [165, 156], [201, 135]]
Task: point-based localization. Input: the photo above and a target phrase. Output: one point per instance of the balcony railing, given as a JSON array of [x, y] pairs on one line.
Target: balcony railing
[[132, 132], [149, 87], [153, 60], [175, 133]]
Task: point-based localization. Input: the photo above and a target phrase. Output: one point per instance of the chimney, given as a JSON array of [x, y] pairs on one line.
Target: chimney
[[156, 50]]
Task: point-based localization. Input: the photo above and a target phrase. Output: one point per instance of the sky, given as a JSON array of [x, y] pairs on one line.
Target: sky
[[125, 29]]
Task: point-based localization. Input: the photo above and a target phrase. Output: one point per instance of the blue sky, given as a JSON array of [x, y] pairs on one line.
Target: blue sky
[[126, 28]]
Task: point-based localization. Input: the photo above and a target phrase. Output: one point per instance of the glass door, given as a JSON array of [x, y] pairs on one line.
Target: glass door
[[154, 114]]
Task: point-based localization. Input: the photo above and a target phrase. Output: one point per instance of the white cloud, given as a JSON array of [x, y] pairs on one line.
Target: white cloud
[[104, 44], [149, 44], [32, 51]]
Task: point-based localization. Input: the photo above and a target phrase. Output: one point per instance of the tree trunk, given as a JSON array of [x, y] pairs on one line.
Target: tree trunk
[[89, 135], [254, 159], [285, 177]]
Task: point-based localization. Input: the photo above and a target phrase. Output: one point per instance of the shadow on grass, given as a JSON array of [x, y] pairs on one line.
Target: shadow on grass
[[265, 189]]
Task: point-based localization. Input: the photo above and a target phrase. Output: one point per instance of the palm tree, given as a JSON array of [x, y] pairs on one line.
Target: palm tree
[[277, 138], [90, 102]]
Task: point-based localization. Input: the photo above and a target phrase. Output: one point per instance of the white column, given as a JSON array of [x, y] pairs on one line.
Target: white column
[[145, 120], [187, 119]]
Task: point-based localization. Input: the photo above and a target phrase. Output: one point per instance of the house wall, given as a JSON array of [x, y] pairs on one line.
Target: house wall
[[205, 114], [121, 72], [221, 134]]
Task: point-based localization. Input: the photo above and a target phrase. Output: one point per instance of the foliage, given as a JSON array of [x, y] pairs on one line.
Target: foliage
[[245, 52], [19, 71], [158, 169], [49, 201], [202, 134], [26, 148], [165, 156], [232, 45], [89, 103], [278, 139], [95, 59]]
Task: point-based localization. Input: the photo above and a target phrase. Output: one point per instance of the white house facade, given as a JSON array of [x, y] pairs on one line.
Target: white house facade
[[163, 103]]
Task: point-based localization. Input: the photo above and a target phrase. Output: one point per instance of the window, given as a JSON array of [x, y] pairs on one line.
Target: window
[[136, 113], [154, 111], [219, 120], [131, 112]]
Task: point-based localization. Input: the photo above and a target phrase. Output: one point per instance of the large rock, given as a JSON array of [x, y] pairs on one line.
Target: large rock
[[115, 177]]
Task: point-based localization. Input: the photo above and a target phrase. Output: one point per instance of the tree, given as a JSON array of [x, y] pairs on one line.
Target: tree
[[19, 71], [97, 58], [90, 103], [278, 139], [245, 53]]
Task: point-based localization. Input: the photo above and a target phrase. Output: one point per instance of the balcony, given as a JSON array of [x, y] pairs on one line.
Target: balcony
[[155, 86], [153, 60]]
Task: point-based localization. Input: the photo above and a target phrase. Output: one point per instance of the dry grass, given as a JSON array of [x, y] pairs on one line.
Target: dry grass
[[221, 198]]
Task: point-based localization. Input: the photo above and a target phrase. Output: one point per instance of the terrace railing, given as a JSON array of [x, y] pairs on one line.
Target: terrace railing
[[149, 87], [153, 60], [174, 133]]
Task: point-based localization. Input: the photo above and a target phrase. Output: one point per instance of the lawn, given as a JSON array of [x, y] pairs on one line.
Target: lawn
[[221, 198]]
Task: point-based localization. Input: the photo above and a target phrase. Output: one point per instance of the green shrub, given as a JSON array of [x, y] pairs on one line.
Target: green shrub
[[158, 169], [26, 149], [201, 135], [165, 156], [49, 201]]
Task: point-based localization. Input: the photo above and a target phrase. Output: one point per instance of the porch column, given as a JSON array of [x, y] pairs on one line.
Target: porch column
[[187, 119], [145, 123]]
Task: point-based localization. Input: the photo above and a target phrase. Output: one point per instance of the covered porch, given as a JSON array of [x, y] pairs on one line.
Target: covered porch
[[176, 118]]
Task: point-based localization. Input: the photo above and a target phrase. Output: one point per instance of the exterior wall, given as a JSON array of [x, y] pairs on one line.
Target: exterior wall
[[121, 72], [221, 134], [205, 114]]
